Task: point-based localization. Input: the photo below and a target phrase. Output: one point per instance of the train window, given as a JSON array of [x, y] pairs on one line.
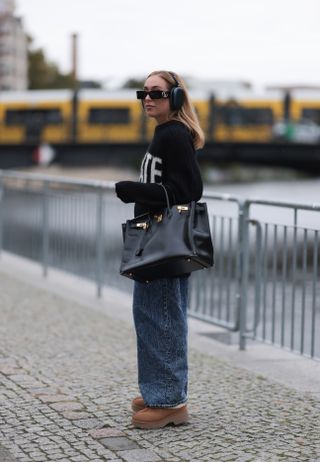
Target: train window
[[109, 116], [241, 116], [259, 116], [311, 114], [33, 117]]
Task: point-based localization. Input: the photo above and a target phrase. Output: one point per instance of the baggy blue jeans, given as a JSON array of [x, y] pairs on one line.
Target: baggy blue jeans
[[160, 317]]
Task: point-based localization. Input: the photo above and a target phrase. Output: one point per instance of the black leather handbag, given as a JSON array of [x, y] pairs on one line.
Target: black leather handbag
[[174, 242]]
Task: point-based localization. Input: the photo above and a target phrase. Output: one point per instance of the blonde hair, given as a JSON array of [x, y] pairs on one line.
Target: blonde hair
[[186, 114]]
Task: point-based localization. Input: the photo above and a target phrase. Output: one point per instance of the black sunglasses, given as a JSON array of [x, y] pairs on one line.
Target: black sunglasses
[[154, 94]]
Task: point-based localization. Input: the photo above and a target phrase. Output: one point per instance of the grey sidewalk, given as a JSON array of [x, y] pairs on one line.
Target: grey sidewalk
[[67, 372]]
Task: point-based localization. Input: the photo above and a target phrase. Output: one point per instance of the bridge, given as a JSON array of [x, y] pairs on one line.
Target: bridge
[[294, 155]]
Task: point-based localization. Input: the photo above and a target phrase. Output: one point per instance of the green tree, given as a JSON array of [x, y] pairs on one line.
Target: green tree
[[134, 83], [43, 74]]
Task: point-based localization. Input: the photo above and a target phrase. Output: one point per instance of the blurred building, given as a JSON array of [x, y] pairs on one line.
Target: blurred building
[[13, 49]]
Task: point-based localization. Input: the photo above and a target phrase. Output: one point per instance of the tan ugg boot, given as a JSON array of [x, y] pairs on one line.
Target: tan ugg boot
[[137, 404], [156, 417]]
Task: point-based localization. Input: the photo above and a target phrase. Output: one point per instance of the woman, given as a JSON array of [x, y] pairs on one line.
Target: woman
[[160, 307]]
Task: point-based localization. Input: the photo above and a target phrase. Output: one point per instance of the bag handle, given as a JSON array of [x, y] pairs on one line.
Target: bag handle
[[167, 197], [191, 220], [190, 226]]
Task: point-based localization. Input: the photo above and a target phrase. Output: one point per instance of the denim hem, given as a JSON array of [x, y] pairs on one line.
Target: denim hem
[[167, 405]]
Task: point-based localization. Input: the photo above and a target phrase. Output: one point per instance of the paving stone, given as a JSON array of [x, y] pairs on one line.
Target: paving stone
[[9, 370], [105, 433], [78, 459], [26, 380], [139, 455], [101, 460], [36, 454], [88, 423], [6, 456], [118, 443], [74, 415], [53, 398], [66, 406]]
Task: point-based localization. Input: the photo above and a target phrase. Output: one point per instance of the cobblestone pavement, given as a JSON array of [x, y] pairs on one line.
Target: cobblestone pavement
[[68, 374]]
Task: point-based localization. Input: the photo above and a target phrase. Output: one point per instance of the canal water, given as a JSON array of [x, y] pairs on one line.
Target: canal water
[[304, 191]]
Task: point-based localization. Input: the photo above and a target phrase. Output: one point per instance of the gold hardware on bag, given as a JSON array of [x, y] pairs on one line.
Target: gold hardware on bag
[[158, 218], [143, 225], [182, 208]]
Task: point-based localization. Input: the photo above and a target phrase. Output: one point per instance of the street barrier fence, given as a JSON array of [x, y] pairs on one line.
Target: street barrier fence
[[265, 281]]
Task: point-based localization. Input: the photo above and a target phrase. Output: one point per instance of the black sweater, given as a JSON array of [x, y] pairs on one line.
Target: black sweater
[[170, 160]]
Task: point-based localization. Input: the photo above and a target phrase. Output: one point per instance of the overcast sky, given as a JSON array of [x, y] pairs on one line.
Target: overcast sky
[[262, 41]]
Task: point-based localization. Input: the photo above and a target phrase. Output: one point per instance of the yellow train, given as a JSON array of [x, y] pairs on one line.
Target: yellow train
[[100, 116]]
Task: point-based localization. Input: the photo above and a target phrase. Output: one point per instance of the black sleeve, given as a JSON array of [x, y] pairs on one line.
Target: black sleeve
[[150, 194]]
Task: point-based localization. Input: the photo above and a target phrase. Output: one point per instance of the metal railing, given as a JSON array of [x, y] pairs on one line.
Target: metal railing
[[264, 284], [280, 284]]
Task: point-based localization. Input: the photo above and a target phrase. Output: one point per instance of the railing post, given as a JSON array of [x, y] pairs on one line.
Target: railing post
[[45, 228], [258, 276], [1, 214], [243, 264], [99, 242]]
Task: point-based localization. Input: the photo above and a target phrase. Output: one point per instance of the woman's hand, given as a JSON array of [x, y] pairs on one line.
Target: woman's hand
[[123, 191]]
